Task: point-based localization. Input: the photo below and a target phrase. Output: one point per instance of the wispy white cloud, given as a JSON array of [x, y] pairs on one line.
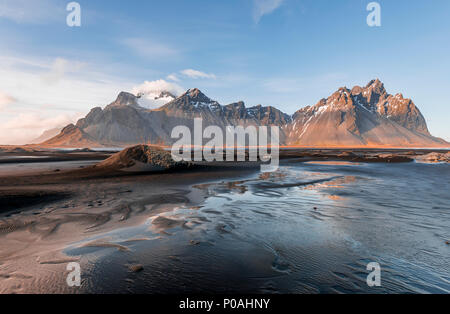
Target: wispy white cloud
[[158, 86], [25, 127], [150, 48], [151, 93], [194, 74], [264, 7], [5, 100], [32, 11], [35, 121], [173, 77], [40, 103], [190, 74], [59, 68]]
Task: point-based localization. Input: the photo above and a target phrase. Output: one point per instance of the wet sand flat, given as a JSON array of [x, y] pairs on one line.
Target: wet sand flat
[[42, 213], [227, 228]]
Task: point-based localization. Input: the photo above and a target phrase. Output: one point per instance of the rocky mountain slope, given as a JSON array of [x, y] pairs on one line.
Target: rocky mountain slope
[[362, 116], [46, 135], [72, 136]]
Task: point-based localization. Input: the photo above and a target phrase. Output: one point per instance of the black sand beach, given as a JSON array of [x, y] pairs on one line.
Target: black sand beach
[[194, 230]]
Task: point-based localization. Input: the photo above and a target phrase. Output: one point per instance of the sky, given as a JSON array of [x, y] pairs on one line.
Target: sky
[[283, 53]]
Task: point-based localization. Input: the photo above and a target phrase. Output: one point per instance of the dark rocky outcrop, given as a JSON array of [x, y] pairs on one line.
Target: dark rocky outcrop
[[142, 158]]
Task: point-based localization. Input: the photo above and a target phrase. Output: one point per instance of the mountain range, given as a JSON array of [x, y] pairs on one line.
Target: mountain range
[[358, 117]]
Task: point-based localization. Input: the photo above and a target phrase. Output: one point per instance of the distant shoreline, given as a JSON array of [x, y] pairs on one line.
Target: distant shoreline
[[64, 168]]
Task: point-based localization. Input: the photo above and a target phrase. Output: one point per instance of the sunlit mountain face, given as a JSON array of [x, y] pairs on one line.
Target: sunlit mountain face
[[363, 116]]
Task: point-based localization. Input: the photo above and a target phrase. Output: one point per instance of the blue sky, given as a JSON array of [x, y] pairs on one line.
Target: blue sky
[[286, 53]]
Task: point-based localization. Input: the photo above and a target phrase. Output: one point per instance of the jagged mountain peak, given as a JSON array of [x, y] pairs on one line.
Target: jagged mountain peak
[[72, 135], [193, 100], [69, 129], [339, 99], [361, 116], [371, 97], [358, 112], [374, 92], [125, 99], [374, 87], [375, 83], [165, 94], [343, 90], [399, 96], [239, 104], [195, 94]]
